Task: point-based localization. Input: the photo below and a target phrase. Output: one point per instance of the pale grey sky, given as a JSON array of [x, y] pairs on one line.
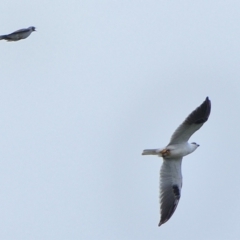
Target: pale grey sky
[[95, 85]]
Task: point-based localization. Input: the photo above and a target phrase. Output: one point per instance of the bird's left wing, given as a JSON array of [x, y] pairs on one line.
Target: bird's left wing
[[192, 123], [170, 187]]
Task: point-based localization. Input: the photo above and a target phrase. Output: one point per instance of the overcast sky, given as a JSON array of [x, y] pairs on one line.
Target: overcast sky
[[95, 85]]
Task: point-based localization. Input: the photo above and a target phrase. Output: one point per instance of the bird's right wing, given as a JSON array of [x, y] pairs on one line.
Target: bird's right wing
[[192, 123], [170, 187]]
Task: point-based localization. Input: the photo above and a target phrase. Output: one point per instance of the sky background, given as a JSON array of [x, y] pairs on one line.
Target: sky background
[[95, 85]]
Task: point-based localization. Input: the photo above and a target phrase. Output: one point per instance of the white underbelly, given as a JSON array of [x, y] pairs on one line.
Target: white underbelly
[[179, 150]]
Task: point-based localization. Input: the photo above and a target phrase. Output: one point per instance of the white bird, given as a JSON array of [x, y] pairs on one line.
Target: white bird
[[18, 35], [172, 154]]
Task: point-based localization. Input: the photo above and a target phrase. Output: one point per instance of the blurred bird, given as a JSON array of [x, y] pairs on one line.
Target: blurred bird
[[172, 154], [18, 35]]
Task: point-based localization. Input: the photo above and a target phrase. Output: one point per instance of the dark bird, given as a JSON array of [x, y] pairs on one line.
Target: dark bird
[[18, 35]]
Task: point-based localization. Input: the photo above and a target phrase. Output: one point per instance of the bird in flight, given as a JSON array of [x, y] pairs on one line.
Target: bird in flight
[[18, 35], [172, 154]]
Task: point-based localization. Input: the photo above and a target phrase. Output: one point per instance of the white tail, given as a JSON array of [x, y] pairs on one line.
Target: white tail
[[150, 152]]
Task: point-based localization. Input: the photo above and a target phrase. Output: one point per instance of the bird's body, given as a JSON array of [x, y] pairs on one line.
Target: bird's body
[[18, 35], [172, 154], [172, 151]]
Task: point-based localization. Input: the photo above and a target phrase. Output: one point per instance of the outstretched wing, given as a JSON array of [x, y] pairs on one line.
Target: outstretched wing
[[170, 188], [192, 123]]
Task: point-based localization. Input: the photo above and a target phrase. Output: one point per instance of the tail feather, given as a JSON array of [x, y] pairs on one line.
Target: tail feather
[[150, 152]]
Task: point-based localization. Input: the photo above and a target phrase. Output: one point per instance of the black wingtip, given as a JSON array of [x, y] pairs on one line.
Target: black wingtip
[[200, 114], [161, 222], [207, 100], [206, 109], [167, 213]]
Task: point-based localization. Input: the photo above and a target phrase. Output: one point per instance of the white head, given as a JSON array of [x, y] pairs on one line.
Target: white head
[[194, 146]]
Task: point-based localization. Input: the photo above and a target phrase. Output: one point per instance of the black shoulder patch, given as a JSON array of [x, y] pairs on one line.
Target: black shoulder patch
[[176, 191]]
